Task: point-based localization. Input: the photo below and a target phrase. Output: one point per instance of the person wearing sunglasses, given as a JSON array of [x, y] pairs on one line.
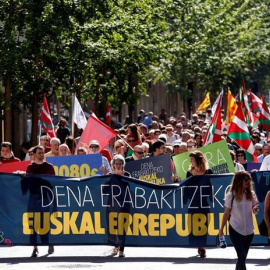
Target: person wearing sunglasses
[[137, 154], [241, 157], [45, 143], [94, 148]]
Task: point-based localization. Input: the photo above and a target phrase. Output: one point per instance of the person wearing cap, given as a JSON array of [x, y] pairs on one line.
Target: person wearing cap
[[265, 152], [258, 149], [179, 129], [171, 136], [94, 147], [176, 146], [195, 119]]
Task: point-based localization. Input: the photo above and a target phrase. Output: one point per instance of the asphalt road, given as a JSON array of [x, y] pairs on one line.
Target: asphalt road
[[98, 257]]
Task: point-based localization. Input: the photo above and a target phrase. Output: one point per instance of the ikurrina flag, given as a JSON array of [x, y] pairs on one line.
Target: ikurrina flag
[[46, 120], [265, 116], [239, 132], [214, 132]]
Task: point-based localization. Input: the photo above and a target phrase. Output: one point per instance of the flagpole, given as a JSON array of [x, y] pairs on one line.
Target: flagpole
[[125, 142], [72, 114]]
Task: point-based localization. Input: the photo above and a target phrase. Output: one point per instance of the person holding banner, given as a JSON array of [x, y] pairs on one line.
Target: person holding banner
[[38, 166], [240, 202], [267, 213], [198, 166], [118, 164]]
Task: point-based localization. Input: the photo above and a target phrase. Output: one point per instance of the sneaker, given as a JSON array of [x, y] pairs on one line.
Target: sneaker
[[202, 252], [115, 251], [222, 242], [51, 250], [34, 253], [122, 254]]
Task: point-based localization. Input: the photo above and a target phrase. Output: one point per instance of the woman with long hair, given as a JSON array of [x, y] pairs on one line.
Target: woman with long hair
[[198, 166], [240, 203]]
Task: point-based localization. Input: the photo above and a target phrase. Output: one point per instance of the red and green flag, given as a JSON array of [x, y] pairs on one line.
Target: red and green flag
[[214, 131], [46, 120], [239, 132], [265, 116]]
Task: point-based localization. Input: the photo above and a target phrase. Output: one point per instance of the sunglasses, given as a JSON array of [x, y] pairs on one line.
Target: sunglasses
[[45, 140], [139, 152], [176, 146], [131, 141], [31, 154], [94, 146], [190, 146]]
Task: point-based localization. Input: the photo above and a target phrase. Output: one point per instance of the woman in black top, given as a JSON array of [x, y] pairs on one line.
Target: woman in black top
[[118, 164], [198, 166]]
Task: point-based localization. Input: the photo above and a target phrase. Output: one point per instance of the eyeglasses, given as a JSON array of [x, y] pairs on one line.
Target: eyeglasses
[[247, 179], [93, 146], [240, 155], [131, 141], [139, 152]]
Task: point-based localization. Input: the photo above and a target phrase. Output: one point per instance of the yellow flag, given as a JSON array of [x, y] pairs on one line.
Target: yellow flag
[[231, 107], [206, 103]]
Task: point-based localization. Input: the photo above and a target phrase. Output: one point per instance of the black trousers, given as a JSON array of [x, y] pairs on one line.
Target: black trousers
[[241, 244]]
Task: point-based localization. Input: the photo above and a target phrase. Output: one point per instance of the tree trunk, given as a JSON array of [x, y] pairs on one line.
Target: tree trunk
[[8, 112], [34, 133]]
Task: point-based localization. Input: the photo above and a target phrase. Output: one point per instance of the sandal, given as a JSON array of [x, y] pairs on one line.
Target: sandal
[[122, 254], [115, 251]]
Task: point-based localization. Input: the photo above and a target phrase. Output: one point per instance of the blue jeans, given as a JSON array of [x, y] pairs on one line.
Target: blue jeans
[[241, 244]]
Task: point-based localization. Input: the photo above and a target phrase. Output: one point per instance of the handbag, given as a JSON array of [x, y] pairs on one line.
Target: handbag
[[263, 228]]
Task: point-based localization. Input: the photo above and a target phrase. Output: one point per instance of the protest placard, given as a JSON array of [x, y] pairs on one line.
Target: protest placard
[[77, 166], [217, 155], [155, 170]]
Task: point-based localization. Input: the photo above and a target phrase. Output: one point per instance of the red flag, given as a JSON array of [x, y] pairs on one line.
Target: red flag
[[239, 132], [96, 130], [108, 114], [46, 120]]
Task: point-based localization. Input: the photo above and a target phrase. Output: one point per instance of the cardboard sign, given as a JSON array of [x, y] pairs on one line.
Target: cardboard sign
[[217, 155]]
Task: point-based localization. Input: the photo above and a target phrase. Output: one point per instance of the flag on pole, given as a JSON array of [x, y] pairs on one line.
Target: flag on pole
[[255, 103], [231, 108], [46, 120], [239, 132], [96, 130], [265, 116], [78, 114], [205, 104], [108, 115], [87, 111], [214, 131]]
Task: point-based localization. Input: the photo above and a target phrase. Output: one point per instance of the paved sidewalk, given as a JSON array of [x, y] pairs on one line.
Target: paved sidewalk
[[98, 257]]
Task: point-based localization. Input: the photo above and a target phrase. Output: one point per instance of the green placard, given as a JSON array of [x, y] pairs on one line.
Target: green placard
[[217, 154]]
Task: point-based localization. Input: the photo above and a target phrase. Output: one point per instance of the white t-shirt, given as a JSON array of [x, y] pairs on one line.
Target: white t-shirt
[[241, 213], [265, 164]]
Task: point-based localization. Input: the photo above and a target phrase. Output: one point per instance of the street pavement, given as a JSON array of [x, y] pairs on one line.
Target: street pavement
[[98, 257]]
